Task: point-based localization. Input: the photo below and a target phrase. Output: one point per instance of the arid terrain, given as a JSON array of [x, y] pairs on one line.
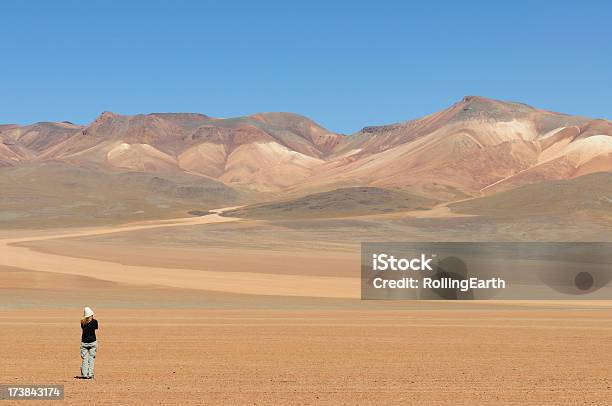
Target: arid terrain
[[186, 318], [465, 354], [259, 302], [124, 168]]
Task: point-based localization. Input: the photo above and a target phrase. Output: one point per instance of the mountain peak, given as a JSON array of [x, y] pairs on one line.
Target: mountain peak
[[480, 101], [104, 116], [479, 108], [467, 99]]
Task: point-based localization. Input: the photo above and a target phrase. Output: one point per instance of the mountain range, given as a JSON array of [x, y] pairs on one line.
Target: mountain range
[[476, 147]]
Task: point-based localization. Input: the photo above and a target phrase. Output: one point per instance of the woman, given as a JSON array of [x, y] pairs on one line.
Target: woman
[[89, 346]]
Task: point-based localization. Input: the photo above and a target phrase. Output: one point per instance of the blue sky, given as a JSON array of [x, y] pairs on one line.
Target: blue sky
[[344, 64]]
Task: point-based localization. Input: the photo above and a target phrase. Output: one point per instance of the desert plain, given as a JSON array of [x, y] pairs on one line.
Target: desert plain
[[213, 310]]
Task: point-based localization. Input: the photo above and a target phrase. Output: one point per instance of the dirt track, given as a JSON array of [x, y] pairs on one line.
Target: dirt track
[[260, 283]]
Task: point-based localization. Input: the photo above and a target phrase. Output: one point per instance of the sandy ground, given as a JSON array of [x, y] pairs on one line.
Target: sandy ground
[[178, 332], [469, 356]]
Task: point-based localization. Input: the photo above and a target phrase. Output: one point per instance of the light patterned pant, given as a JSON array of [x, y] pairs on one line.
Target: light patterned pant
[[88, 354]]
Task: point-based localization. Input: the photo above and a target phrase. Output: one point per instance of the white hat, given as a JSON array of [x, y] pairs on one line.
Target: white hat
[[87, 312]]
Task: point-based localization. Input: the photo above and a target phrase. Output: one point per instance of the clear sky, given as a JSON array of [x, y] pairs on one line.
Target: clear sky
[[344, 64]]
